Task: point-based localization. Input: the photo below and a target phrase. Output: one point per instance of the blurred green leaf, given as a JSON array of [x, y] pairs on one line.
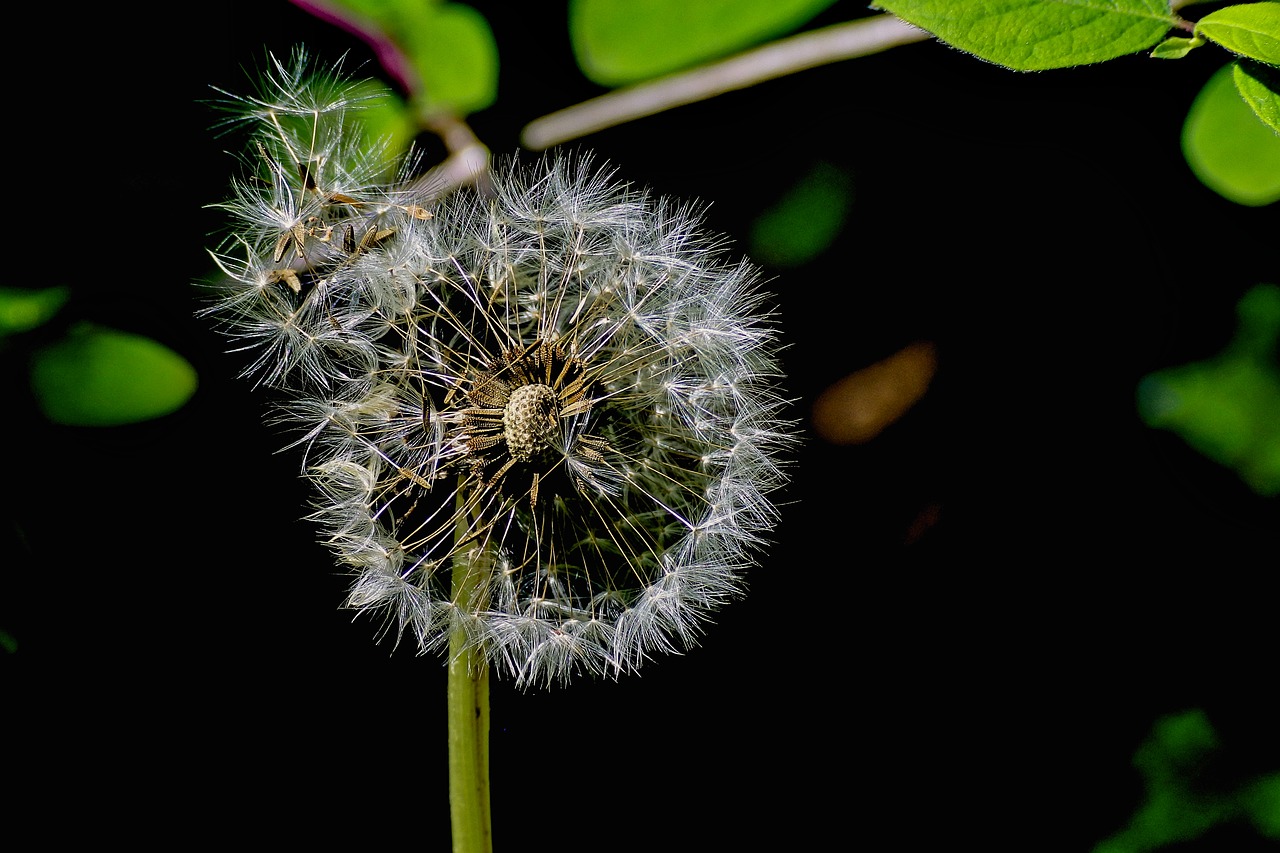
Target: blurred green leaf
[[454, 51], [386, 118], [98, 376], [1249, 29], [1259, 85], [1228, 147], [1258, 323], [1228, 407], [449, 45], [617, 43], [1183, 801], [22, 310], [1263, 804], [1036, 35], [382, 11], [804, 221]]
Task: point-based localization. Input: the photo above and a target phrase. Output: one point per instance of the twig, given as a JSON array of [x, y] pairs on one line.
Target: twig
[[861, 37], [466, 163]]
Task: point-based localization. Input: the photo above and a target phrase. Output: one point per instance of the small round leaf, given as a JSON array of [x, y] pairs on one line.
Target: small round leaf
[[1228, 147], [22, 310], [98, 376]]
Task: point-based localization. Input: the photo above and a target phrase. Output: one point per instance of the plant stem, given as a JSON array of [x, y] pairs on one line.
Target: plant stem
[[468, 697], [860, 37], [469, 751]]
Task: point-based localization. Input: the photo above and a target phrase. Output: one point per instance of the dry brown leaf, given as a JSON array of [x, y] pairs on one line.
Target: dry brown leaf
[[858, 407]]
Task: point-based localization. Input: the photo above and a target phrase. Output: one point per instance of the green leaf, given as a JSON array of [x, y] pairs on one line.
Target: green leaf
[[1189, 792], [805, 221], [454, 52], [1259, 85], [384, 117], [380, 11], [1262, 801], [617, 43], [1176, 48], [98, 376], [1228, 407], [21, 309], [1036, 35], [450, 46], [1228, 146], [1249, 29]]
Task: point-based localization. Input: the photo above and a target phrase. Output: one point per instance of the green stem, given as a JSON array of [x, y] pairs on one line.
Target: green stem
[[469, 752], [468, 696]]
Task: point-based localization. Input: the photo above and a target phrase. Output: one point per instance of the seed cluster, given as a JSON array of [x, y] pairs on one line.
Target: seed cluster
[[529, 421]]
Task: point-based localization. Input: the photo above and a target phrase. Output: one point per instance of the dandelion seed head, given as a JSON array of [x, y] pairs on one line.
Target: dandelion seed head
[[543, 414]]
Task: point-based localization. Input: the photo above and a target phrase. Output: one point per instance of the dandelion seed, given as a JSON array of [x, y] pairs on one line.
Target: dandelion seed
[[558, 389]]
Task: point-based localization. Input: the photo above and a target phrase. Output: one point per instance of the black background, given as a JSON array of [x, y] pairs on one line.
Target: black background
[[987, 679]]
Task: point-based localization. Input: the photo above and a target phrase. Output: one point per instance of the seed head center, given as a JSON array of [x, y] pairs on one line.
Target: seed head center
[[530, 421]]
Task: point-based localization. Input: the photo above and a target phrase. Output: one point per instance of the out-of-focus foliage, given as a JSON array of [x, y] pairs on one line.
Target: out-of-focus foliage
[[620, 43], [1263, 803], [858, 407], [805, 221], [385, 119], [91, 375], [22, 310], [1228, 407], [97, 376], [1182, 802], [450, 48], [1228, 147]]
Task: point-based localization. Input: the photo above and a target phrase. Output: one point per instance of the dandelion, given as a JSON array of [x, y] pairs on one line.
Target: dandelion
[[540, 413]]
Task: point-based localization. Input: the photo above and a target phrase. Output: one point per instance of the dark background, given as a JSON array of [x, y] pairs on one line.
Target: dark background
[[987, 676]]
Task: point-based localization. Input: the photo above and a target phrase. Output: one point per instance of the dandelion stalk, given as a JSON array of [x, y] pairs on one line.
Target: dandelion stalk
[[468, 699]]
